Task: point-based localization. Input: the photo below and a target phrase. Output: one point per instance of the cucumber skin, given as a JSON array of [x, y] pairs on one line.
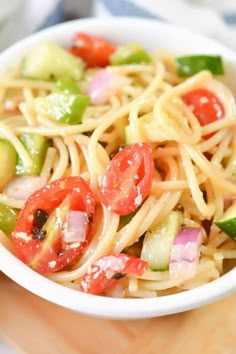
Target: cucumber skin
[[228, 227], [227, 224]]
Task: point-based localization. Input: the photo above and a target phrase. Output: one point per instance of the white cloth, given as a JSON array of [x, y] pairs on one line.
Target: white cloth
[[25, 17], [215, 18]]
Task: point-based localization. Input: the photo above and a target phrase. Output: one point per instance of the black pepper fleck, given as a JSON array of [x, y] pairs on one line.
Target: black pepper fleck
[[40, 218], [60, 253], [90, 218], [120, 148], [38, 234], [119, 275]]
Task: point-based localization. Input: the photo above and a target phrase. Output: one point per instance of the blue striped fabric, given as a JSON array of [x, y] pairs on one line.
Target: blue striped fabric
[[126, 8], [230, 18], [129, 8], [55, 17]]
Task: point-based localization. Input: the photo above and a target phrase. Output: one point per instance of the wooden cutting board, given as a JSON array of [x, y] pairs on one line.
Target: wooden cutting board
[[34, 326]]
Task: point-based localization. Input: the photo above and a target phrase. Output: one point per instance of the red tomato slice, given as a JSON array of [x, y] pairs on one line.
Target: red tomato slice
[[51, 253], [128, 178], [94, 50], [205, 105], [105, 272]]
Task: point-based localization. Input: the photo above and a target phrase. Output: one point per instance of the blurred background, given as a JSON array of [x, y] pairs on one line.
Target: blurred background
[[215, 18]]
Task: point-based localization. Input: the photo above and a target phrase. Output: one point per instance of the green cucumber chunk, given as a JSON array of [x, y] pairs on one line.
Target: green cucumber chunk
[[191, 65], [158, 242], [8, 157], [131, 53], [228, 222], [8, 217], [67, 86], [47, 61], [62, 107], [36, 146]]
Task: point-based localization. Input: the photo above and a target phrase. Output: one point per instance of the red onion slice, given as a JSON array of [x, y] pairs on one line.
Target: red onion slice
[[21, 188], [185, 254], [75, 227], [104, 85]]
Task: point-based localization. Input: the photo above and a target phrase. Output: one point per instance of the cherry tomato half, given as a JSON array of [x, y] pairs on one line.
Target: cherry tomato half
[[48, 252], [205, 105], [128, 178], [106, 271], [94, 50]]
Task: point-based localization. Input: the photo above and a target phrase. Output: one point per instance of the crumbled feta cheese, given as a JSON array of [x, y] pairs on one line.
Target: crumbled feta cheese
[[23, 236], [138, 200], [52, 264]]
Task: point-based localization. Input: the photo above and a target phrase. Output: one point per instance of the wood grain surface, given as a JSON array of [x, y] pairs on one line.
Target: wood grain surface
[[34, 326]]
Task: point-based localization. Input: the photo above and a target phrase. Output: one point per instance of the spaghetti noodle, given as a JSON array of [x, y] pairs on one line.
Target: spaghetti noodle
[[194, 164]]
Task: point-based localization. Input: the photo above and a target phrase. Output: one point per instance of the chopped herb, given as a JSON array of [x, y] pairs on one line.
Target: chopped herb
[[38, 234], [118, 275], [40, 218], [90, 218]]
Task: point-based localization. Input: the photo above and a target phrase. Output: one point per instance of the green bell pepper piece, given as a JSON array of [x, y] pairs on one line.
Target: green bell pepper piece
[[36, 146], [67, 86], [191, 65], [62, 107], [131, 53]]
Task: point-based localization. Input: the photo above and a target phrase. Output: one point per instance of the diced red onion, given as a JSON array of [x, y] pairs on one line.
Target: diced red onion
[[21, 188], [185, 254], [104, 85], [75, 227]]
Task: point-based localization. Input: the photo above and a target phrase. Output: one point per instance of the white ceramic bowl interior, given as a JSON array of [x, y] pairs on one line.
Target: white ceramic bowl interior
[[152, 35]]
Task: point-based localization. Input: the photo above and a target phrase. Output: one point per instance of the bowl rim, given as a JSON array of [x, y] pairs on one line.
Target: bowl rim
[[113, 308], [100, 306]]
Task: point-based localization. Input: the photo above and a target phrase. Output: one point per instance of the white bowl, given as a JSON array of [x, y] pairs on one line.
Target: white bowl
[[151, 34]]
